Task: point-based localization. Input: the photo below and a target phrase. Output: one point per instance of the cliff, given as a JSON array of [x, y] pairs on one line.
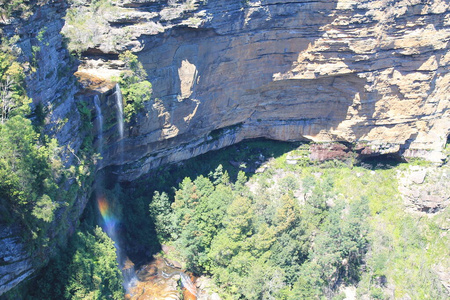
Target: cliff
[[50, 83], [373, 73]]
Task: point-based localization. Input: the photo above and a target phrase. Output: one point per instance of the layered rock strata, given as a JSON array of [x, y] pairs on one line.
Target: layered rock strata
[[371, 72]]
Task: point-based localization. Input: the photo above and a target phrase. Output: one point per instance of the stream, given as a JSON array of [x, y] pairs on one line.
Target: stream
[[160, 280]]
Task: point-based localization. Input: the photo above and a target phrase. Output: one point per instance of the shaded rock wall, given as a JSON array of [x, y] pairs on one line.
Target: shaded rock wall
[[15, 262], [372, 72], [50, 82]]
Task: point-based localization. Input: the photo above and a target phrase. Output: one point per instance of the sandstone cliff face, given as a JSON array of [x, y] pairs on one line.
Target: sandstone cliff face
[[372, 72], [49, 81]]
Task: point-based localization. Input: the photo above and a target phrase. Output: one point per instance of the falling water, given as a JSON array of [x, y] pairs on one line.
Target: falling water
[[119, 100], [187, 284], [110, 219], [110, 222], [120, 125], [129, 275], [99, 123]]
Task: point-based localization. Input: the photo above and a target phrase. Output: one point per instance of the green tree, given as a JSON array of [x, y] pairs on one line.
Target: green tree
[[292, 244], [133, 64], [29, 169], [13, 98], [44, 208], [263, 281], [338, 250], [199, 208], [93, 270], [86, 269], [162, 215], [240, 182]]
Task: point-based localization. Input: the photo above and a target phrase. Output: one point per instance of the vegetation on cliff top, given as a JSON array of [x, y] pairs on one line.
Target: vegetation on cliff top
[[136, 90], [85, 23]]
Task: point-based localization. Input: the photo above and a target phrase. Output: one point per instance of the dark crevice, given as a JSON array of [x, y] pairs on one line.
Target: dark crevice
[[93, 53], [380, 161]]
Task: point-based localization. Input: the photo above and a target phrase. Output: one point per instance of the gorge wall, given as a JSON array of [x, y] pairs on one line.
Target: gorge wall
[[372, 72], [50, 82]]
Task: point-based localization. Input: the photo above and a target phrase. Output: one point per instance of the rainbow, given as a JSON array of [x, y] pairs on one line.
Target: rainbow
[[107, 215]]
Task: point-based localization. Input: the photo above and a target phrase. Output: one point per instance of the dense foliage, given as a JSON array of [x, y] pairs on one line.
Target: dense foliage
[[302, 231], [86, 269], [293, 232], [261, 245], [30, 163], [37, 188]]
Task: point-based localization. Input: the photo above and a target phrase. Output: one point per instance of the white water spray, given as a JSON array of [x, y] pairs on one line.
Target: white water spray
[[99, 124], [120, 123], [119, 99], [127, 267]]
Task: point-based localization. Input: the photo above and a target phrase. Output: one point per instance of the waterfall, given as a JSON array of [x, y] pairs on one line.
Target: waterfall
[[129, 275], [120, 125], [187, 283], [107, 211], [99, 124], [119, 99], [110, 222]]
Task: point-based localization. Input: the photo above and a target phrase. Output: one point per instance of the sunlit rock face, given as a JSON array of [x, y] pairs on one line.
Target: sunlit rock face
[[371, 72]]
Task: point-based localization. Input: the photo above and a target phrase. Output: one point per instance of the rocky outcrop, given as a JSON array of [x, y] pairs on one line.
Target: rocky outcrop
[[322, 152], [425, 189], [371, 72], [15, 262]]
